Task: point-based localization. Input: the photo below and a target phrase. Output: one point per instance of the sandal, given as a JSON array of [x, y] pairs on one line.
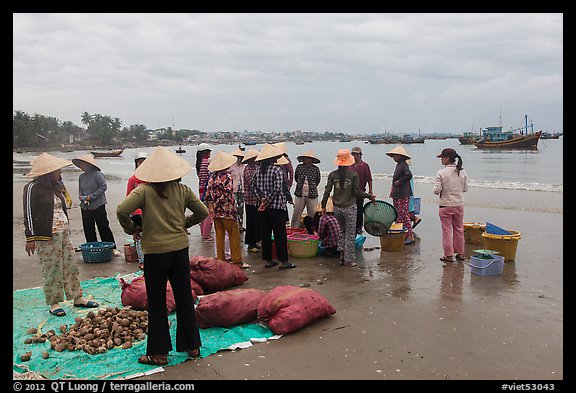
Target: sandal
[[58, 312], [155, 360], [416, 223], [448, 259], [242, 265], [193, 353], [271, 264], [460, 257], [287, 266], [89, 304]]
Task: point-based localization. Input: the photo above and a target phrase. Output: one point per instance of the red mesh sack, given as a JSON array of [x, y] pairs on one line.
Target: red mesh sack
[[215, 275], [196, 288], [134, 295], [228, 308], [287, 308]]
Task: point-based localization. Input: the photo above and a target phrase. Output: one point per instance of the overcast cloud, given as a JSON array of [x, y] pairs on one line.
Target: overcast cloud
[[366, 73]]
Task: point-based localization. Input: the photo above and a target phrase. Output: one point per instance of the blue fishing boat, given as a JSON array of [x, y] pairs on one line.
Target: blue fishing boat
[[496, 138]]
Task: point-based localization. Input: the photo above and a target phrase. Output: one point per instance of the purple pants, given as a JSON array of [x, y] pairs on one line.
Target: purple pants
[[452, 221]]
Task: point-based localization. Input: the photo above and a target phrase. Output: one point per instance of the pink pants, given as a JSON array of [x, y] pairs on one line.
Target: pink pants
[[452, 221]]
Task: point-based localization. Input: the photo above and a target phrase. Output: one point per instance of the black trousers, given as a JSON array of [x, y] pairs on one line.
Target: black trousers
[[359, 214], [158, 269], [252, 234], [273, 221], [97, 218]]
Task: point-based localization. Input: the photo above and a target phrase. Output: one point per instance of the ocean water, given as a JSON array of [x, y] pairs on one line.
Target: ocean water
[[511, 179]]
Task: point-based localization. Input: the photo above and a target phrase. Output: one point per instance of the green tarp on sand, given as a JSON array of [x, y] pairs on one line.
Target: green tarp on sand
[[30, 310]]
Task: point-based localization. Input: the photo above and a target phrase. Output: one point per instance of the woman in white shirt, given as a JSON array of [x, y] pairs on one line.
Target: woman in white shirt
[[450, 185]]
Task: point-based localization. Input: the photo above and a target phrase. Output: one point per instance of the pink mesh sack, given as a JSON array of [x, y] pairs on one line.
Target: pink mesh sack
[[287, 308], [215, 275], [228, 308], [134, 295]]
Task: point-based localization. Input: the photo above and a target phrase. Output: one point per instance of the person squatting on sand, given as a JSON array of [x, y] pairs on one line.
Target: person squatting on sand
[[47, 231], [164, 200], [450, 185], [344, 182]]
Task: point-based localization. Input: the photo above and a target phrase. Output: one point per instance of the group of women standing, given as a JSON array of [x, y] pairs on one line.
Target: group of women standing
[[160, 203]]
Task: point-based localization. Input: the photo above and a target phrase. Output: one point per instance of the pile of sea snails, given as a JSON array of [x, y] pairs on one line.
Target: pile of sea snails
[[96, 333]]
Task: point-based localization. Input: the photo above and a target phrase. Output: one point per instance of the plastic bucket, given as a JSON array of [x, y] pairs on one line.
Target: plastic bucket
[[393, 240], [473, 232], [506, 245], [130, 252], [483, 266]]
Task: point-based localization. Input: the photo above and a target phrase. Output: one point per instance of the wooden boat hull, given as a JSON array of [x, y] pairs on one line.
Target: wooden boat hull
[[113, 153], [466, 141], [522, 142]]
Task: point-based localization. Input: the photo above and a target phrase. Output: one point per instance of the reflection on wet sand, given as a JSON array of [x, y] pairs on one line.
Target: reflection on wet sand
[[400, 266], [452, 284]]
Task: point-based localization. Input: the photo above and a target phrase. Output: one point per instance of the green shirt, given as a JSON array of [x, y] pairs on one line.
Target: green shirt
[[164, 221], [346, 196]]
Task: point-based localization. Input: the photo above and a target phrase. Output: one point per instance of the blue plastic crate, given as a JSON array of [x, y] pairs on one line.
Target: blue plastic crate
[[417, 203], [495, 230]]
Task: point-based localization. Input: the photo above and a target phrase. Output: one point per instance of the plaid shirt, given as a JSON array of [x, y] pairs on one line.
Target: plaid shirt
[[328, 230], [310, 172], [219, 196], [269, 186], [249, 197]]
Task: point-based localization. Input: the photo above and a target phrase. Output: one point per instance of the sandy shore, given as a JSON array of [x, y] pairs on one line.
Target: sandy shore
[[399, 315]]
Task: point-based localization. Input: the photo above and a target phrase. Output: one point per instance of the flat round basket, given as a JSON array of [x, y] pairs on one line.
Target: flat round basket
[[96, 252], [378, 217]]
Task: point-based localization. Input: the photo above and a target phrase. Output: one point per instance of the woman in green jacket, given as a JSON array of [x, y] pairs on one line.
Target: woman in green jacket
[[164, 241]]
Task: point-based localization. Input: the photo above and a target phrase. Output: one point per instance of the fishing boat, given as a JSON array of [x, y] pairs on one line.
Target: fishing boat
[[551, 135], [250, 143], [495, 138], [407, 139], [180, 150], [468, 138], [107, 153]]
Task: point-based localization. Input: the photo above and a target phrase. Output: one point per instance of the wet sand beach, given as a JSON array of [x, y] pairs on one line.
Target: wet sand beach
[[399, 315]]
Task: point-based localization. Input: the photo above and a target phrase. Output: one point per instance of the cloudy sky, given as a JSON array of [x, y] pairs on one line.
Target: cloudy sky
[[357, 73]]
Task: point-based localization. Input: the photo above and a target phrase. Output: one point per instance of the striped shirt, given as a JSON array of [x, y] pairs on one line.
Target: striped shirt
[[269, 186], [203, 176], [249, 197]]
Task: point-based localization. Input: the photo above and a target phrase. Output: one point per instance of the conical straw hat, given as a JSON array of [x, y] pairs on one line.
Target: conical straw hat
[[400, 151], [46, 163], [86, 158], [221, 161], [269, 151], [251, 153], [282, 146], [344, 158], [162, 165], [281, 161], [310, 154], [238, 152]]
